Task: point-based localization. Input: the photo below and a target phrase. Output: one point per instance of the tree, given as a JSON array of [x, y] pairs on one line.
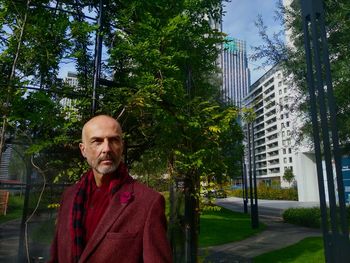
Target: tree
[[288, 176], [165, 86], [292, 58]]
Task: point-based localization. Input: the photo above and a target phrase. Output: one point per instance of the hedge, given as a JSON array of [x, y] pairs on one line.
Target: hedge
[[308, 217], [270, 193]]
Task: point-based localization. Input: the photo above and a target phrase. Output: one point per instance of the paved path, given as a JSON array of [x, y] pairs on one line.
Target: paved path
[[9, 233], [277, 234]]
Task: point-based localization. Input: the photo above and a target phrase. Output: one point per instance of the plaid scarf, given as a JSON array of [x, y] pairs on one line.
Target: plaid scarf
[[80, 205]]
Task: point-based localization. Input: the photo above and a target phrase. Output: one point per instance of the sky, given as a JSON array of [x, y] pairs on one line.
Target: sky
[[238, 22]]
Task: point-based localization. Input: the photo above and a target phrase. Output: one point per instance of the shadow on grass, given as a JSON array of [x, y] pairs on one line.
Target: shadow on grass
[[225, 226]]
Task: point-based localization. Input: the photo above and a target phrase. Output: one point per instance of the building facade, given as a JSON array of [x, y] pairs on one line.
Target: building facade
[[270, 99], [72, 80], [5, 161], [235, 72]]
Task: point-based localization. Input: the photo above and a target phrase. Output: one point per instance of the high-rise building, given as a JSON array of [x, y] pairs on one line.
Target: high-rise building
[[235, 72], [270, 98]]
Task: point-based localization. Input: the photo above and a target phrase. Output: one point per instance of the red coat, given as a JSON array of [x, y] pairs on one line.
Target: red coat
[[129, 232]]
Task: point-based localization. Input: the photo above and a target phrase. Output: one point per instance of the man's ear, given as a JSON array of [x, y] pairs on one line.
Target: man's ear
[[82, 149]]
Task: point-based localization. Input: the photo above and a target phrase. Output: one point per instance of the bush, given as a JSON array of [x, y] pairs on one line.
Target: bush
[[308, 217], [269, 193]]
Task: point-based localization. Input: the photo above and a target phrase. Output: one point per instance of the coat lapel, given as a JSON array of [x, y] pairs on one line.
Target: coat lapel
[[112, 213]]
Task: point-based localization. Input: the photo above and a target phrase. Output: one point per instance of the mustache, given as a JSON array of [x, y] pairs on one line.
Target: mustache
[[107, 157]]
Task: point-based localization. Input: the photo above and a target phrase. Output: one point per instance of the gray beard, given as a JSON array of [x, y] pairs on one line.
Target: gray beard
[[107, 170]]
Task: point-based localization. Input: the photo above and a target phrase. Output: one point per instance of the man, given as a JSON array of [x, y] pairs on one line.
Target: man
[[107, 216]]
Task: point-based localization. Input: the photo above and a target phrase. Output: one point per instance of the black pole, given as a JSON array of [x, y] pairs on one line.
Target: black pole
[[21, 245], [253, 205], [244, 187], [98, 57], [255, 190], [336, 241]]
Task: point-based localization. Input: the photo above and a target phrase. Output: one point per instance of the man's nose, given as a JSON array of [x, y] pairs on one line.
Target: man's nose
[[106, 146]]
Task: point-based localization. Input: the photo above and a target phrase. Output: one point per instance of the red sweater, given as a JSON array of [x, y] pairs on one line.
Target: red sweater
[[97, 204]]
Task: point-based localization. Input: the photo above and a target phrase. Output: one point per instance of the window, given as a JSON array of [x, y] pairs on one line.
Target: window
[[280, 92], [288, 133], [287, 123], [290, 150], [285, 90], [279, 83], [290, 159], [283, 134], [281, 116], [287, 115], [285, 160], [282, 125], [284, 151]]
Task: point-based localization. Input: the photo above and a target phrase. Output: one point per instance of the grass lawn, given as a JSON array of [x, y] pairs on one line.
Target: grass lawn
[[224, 226], [308, 250], [14, 209]]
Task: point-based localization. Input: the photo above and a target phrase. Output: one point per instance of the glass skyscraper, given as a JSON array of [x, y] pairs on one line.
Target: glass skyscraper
[[235, 72]]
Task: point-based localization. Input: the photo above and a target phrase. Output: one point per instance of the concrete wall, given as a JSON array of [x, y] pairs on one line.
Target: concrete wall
[[306, 177]]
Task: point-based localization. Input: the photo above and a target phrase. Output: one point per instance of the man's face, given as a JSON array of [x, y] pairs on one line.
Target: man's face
[[102, 144]]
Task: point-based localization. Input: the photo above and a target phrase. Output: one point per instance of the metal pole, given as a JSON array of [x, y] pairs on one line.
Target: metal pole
[[255, 190], [21, 243], [336, 243], [244, 187], [98, 57], [253, 208]]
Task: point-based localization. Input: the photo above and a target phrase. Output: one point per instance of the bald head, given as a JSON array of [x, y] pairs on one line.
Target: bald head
[[100, 121], [102, 144]]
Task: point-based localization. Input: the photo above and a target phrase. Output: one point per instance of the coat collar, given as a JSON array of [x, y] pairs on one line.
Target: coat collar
[[112, 213]]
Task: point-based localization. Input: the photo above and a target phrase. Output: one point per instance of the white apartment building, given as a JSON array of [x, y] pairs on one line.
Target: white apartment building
[[270, 97], [72, 80], [276, 125]]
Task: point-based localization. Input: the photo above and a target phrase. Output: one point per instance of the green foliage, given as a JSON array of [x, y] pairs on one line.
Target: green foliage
[[14, 209], [288, 175], [161, 57], [308, 250], [308, 217], [44, 232], [270, 193]]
